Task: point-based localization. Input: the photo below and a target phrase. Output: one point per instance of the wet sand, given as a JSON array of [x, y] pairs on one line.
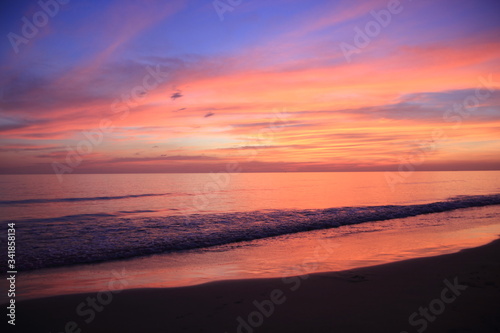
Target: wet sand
[[456, 292]]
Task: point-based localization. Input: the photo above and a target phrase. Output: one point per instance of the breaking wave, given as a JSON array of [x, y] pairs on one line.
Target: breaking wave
[[88, 238]]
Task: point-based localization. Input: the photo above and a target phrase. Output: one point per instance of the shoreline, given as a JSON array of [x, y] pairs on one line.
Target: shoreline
[[336, 249], [370, 299]]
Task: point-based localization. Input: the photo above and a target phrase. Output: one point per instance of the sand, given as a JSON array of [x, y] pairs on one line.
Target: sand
[[456, 292]]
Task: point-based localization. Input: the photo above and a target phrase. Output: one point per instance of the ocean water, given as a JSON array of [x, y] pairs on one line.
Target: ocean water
[[100, 218]]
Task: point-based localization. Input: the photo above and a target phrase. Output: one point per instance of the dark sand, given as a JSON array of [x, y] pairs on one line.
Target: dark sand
[[371, 299]]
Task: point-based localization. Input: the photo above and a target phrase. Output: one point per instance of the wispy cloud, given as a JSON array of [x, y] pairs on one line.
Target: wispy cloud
[[225, 81]]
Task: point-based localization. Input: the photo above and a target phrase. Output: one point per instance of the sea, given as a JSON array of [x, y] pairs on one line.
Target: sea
[[181, 229]]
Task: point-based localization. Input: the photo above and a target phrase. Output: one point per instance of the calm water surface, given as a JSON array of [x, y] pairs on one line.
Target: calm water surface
[[178, 194]]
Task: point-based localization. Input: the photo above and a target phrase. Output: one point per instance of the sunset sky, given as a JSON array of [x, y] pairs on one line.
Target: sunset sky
[[265, 85]]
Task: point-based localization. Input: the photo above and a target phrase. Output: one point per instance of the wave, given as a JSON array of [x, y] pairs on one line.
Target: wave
[[100, 237], [37, 201]]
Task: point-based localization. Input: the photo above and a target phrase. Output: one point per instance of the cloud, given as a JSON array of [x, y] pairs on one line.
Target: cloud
[[164, 158], [367, 112], [24, 148], [176, 95], [11, 123]]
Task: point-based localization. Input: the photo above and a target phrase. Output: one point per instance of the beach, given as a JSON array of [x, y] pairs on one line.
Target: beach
[[461, 290], [258, 260], [236, 166]]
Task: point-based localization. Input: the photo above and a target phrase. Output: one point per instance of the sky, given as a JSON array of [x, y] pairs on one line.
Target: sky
[[249, 86]]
